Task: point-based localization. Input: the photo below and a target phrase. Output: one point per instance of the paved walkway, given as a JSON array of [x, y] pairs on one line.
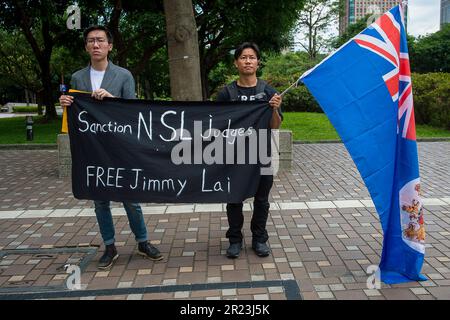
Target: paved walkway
[[324, 234]]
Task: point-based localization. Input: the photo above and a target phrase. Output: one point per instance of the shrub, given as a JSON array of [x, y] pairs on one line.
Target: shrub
[[431, 93], [25, 109], [300, 100], [282, 70]]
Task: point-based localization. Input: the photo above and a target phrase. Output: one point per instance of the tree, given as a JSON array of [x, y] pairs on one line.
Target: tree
[[223, 25], [42, 23], [430, 53], [281, 70], [314, 20], [351, 31], [185, 82], [360, 25], [140, 37], [17, 64], [138, 28]]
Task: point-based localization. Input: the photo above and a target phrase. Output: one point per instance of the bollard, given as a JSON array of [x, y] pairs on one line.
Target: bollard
[[29, 124]]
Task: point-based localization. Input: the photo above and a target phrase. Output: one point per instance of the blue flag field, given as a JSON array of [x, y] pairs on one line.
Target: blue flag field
[[365, 89]]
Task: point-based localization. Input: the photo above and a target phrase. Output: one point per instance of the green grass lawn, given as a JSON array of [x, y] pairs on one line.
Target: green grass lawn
[[305, 126], [308, 126], [315, 126], [13, 130]]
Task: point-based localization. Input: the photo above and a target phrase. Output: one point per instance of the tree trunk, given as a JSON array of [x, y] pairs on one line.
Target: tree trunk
[[184, 63], [50, 111], [311, 36], [205, 82], [147, 90], [42, 56], [27, 97]]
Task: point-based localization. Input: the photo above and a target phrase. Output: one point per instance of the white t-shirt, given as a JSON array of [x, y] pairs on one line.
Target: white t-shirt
[[96, 78]]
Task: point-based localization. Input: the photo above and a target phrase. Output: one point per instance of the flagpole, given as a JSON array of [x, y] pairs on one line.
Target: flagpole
[[295, 84], [403, 11]]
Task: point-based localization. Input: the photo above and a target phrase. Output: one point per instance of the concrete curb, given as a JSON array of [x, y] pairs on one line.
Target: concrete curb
[[54, 146], [445, 139], [28, 146]]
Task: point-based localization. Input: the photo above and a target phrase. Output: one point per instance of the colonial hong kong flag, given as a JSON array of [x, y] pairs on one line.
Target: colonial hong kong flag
[[365, 90]]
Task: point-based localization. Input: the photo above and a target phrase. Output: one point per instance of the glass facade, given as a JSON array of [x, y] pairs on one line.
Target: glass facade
[[445, 11], [351, 12], [357, 9]]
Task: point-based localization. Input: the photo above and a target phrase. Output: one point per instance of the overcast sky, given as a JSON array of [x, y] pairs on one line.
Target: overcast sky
[[423, 16]]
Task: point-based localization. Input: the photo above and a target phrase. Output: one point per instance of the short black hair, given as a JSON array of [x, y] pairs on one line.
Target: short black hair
[[246, 45], [97, 27]]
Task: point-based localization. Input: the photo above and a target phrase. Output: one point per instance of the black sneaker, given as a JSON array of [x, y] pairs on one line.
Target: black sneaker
[[234, 250], [261, 249], [109, 256], [147, 250]]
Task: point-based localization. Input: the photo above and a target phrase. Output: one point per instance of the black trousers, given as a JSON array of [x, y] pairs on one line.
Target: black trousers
[[261, 207]]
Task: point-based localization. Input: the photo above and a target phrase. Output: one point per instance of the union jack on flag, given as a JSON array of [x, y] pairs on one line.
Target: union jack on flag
[[365, 89], [384, 38]]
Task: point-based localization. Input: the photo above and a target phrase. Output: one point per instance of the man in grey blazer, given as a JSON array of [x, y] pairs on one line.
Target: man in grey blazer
[[104, 79]]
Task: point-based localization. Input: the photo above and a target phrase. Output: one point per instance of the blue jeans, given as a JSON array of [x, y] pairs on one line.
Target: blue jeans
[[105, 221]]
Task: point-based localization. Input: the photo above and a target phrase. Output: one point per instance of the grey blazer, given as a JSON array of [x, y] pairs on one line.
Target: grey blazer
[[117, 80]]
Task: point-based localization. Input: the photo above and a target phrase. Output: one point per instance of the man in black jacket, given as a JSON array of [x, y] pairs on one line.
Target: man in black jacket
[[249, 88]]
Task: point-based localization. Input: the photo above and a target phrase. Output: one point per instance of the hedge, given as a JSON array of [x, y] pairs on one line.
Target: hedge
[[25, 109], [280, 70], [431, 92]]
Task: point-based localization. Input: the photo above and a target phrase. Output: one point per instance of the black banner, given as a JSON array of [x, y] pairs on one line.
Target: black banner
[[160, 151]]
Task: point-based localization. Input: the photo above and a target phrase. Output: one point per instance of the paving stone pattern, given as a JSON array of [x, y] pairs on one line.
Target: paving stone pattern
[[323, 234]]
